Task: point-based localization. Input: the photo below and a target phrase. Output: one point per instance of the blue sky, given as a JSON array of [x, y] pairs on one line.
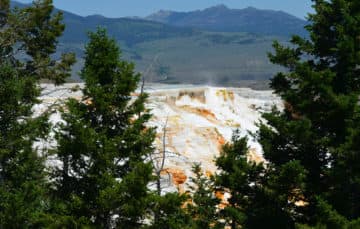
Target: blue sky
[[122, 8]]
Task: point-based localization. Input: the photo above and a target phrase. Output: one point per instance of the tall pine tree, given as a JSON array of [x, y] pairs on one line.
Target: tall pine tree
[[103, 144], [30, 33], [316, 136]]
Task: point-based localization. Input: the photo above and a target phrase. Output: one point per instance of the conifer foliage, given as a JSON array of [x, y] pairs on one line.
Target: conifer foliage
[[316, 137], [28, 38], [239, 178], [103, 143], [203, 208]]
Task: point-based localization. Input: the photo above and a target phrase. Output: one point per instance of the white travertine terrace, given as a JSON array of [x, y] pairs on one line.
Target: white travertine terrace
[[199, 121]]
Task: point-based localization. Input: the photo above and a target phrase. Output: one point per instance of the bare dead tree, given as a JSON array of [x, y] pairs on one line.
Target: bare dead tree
[[151, 65], [157, 159], [160, 168]]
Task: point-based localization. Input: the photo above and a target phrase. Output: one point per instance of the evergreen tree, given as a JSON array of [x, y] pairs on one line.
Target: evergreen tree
[[203, 208], [32, 31], [170, 212], [103, 144], [315, 139], [238, 177]]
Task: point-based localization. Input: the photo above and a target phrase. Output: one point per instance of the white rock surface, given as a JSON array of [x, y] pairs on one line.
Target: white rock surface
[[199, 121]]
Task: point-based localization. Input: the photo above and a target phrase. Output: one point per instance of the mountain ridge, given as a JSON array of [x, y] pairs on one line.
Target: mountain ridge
[[221, 18], [173, 54], [127, 30], [218, 18]]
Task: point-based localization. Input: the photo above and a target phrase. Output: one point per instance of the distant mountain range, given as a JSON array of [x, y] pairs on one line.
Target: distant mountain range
[[166, 24], [222, 19], [217, 45], [127, 30]]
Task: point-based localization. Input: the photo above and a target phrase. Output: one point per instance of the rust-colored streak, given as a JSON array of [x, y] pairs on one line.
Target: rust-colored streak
[[221, 140], [210, 116], [223, 201], [178, 176]]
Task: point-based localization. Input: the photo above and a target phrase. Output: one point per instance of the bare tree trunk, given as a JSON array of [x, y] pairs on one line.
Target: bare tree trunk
[[160, 168]]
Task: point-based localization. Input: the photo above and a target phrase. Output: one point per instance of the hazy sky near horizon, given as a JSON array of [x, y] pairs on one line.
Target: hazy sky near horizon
[[124, 8]]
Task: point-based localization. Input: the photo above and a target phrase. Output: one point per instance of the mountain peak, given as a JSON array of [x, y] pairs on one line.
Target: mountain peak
[[220, 6], [161, 14], [220, 18]]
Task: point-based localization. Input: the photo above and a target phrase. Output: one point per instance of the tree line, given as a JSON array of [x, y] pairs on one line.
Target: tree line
[[311, 177]]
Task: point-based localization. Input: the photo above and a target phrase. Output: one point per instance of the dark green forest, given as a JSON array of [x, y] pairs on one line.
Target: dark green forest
[[311, 177]]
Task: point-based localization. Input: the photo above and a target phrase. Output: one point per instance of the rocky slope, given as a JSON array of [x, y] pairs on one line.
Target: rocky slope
[[197, 122]]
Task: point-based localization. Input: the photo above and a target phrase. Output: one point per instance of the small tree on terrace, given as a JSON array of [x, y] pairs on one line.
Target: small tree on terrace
[[203, 208], [240, 178]]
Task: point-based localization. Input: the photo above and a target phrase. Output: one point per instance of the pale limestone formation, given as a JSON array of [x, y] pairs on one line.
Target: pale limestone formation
[[200, 120]]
